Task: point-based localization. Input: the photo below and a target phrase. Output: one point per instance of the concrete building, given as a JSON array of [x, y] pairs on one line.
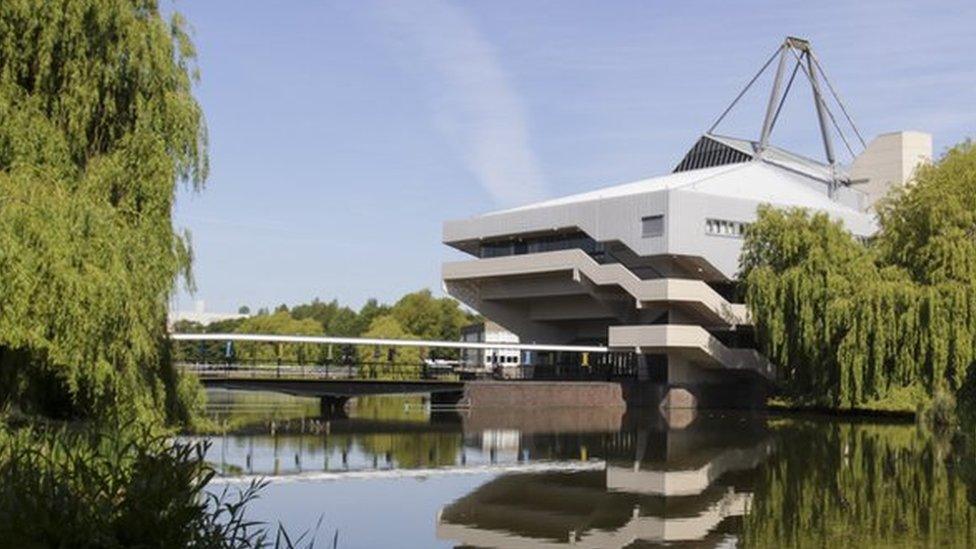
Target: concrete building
[[890, 159], [650, 267]]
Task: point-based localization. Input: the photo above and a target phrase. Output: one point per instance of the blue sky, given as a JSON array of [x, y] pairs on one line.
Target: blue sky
[[343, 133]]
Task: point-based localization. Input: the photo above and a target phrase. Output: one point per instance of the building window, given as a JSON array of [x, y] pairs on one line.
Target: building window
[[576, 240], [724, 227], [652, 226]]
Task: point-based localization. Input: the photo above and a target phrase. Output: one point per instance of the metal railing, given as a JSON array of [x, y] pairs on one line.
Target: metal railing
[[293, 359], [259, 369]]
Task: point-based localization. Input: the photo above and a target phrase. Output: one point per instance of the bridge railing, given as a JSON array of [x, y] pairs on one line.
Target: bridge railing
[[259, 369], [607, 368], [323, 357]]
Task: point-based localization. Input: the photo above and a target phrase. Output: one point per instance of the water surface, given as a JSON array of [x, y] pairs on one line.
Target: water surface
[[392, 474]]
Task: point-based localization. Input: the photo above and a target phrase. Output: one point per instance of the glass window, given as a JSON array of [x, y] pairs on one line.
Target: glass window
[[724, 227], [537, 244], [652, 226]]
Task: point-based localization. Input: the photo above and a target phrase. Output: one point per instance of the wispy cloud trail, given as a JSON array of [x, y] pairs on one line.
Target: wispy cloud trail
[[474, 102]]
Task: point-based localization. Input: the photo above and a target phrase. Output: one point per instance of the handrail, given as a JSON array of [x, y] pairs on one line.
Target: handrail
[[335, 340]]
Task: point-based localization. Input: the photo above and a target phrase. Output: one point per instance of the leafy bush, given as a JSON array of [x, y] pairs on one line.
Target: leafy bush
[[118, 487]]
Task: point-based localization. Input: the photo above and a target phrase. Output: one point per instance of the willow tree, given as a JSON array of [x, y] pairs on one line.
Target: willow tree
[[98, 126], [887, 323]]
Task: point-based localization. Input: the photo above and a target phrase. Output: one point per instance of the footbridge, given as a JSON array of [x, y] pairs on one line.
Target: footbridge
[[335, 384], [602, 375]]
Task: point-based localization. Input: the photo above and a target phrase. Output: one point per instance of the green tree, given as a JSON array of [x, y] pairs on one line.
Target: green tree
[[367, 313], [888, 324], [334, 318], [345, 323], [389, 362], [428, 317], [929, 228], [280, 323], [98, 125], [432, 318], [210, 352]]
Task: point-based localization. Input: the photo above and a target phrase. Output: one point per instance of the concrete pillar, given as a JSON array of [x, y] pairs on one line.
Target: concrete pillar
[[678, 397], [446, 398], [333, 407], [643, 374]]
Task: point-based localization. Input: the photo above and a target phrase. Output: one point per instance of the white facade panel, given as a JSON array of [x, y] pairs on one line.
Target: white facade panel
[[686, 200]]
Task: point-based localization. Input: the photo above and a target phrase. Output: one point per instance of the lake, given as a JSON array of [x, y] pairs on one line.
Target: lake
[[395, 474]]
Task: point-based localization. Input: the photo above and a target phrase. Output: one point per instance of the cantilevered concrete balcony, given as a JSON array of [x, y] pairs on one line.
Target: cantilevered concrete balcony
[[692, 343], [550, 271], [685, 481], [638, 528]]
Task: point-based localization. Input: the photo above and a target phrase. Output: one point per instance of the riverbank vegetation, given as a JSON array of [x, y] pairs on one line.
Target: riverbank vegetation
[[103, 485], [885, 324]]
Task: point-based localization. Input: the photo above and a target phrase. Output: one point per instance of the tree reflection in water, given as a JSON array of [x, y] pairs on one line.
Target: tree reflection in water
[[848, 484], [776, 482], [708, 479]]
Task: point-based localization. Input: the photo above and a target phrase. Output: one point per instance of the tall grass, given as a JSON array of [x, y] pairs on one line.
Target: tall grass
[[120, 487]]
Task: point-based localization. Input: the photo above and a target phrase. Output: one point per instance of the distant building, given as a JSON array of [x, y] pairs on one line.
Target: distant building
[[200, 315], [488, 332]]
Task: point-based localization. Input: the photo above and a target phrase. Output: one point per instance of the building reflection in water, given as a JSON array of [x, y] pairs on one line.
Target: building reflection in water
[[605, 478], [675, 479]]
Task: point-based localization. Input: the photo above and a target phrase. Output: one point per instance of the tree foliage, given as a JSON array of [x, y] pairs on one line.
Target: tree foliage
[[278, 323], [97, 127], [391, 362], [337, 320], [854, 324], [423, 315], [119, 486]]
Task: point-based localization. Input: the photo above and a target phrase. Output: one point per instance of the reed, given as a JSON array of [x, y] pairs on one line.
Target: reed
[[121, 486]]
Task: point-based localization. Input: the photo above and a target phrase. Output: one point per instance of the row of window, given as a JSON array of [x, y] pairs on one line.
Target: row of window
[[723, 227], [551, 243], [651, 226]]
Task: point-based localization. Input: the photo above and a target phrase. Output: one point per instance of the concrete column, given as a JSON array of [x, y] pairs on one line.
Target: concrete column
[[643, 373], [333, 407], [449, 398]]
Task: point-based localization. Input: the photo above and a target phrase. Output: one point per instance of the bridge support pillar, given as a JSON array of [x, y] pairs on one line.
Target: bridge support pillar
[[333, 406], [446, 398]]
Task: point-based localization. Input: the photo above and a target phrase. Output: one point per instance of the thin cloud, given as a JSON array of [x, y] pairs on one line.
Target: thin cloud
[[474, 102]]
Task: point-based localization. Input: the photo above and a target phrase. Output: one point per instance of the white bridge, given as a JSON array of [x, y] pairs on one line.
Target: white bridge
[[372, 342]]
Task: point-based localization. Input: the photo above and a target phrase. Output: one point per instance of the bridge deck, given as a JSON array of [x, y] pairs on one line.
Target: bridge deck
[[320, 387]]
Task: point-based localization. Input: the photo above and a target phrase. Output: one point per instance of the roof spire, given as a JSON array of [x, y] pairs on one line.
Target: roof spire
[[798, 50]]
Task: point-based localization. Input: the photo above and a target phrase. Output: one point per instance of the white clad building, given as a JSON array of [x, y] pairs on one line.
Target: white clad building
[[650, 266], [488, 359]]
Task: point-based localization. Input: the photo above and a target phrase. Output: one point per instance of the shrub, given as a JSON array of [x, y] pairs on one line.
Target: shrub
[[118, 487]]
